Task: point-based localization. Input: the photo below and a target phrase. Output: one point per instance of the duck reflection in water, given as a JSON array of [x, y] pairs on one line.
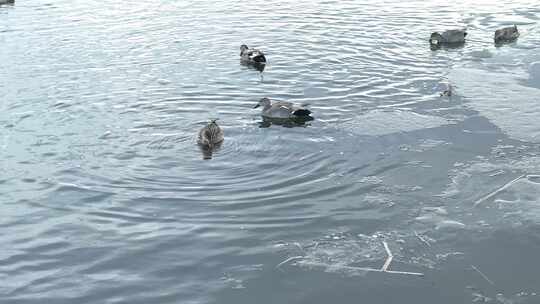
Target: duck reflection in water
[[253, 65], [286, 122]]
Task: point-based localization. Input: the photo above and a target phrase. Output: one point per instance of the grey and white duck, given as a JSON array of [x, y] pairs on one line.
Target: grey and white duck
[[251, 55], [282, 109]]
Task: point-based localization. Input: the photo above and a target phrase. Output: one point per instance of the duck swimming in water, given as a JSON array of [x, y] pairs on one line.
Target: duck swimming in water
[[448, 91], [251, 55], [449, 37], [282, 110], [507, 34], [210, 135], [210, 139]]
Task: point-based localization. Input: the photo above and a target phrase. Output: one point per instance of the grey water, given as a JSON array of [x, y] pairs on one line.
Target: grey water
[[105, 196]]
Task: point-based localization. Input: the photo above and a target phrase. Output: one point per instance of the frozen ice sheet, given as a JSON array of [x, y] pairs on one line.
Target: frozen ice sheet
[[503, 98]]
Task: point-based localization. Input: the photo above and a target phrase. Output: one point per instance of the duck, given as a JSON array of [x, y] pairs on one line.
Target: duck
[[448, 91], [448, 37], [506, 34], [211, 135], [251, 55], [282, 109]]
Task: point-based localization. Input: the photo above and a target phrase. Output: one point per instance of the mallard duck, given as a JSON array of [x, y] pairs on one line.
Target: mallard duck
[[210, 135], [448, 37], [251, 55], [507, 34], [281, 109]]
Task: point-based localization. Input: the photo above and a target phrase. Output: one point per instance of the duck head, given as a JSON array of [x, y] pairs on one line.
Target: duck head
[[264, 102], [243, 48], [435, 38]]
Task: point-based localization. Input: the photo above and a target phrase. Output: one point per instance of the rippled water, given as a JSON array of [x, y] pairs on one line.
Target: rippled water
[[106, 197]]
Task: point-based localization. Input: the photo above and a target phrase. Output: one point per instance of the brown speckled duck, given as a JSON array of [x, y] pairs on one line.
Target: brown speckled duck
[[507, 34], [210, 135]]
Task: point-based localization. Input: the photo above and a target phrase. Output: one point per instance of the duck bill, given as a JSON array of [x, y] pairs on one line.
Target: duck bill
[[256, 106]]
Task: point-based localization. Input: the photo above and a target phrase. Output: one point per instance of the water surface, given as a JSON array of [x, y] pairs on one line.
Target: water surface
[[106, 197]]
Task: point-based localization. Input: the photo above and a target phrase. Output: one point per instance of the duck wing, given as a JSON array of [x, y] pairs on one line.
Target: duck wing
[[454, 36], [293, 109], [278, 110], [255, 55], [284, 104]]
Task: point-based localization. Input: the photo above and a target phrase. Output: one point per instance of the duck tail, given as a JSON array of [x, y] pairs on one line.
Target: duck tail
[[259, 58], [302, 112]]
